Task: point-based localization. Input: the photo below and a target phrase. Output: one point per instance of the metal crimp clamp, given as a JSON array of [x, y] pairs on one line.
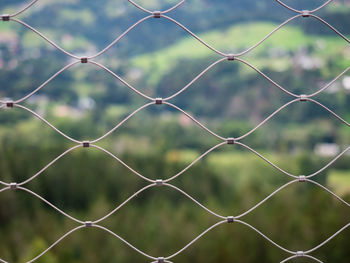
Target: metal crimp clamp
[[230, 219], [231, 57], [13, 185], [159, 101], [160, 260], [86, 144], [305, 13], [9, 104], [88, 223], [303, 97], [159, 182], [5, 17], [302, 178], [157, 14], [84, 60], [300, 253], [231, 140]]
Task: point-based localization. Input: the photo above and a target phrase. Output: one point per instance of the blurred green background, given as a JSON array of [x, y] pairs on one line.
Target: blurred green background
[[159, 59]]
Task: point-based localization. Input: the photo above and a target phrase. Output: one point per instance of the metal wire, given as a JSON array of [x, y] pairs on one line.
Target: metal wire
[[166, 182]]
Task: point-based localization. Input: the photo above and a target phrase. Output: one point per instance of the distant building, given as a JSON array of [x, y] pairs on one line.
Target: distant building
[[308, 62], [327, 149], [67, 111], [346, 83]]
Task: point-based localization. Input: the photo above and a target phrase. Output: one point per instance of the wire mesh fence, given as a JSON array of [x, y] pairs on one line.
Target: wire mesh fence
[[235, 142]]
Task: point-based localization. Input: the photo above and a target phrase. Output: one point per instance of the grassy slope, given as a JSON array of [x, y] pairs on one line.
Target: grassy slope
[[339, 182], [238, 38]]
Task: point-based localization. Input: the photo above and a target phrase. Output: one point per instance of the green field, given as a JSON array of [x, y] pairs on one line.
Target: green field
[[238, 38], [339, 182]]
